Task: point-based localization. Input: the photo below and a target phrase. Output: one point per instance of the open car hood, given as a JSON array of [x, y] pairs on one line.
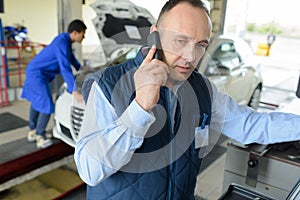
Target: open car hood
[[120, 24]]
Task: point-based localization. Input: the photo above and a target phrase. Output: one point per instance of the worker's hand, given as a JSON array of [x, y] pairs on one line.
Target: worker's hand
[[78, 97], [150, 76]]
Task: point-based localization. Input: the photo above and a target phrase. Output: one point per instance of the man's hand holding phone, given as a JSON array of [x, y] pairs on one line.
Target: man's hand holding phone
[[151, 75]]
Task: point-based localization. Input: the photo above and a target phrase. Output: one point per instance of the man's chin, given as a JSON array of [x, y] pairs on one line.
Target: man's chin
[[179, 77]]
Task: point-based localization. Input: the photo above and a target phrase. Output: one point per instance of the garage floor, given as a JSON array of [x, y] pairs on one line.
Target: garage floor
[[280, 80]]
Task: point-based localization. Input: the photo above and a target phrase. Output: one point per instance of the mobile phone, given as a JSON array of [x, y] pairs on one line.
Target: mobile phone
[[298, 89], [153, 39]]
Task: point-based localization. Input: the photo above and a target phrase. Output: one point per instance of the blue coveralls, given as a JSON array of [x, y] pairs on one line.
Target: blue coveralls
[[54, 59]]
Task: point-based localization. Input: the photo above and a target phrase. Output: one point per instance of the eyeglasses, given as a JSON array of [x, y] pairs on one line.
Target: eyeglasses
[[182, 44]]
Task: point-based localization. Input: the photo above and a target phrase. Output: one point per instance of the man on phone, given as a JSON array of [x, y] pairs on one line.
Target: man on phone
[[149, 122]]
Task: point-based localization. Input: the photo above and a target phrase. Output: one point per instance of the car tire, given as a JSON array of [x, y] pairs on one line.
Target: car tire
[[255, 98]]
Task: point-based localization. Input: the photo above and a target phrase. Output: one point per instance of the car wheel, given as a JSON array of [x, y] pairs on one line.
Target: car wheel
[[255, 98]]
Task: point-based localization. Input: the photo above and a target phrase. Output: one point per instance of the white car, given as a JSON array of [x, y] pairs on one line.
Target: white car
[[228, 62]]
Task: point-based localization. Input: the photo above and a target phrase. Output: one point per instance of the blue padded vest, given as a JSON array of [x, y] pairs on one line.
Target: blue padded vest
[[173, 174]]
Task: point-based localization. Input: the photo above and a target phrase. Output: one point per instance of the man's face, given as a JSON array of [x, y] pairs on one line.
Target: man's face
[[79, 36], [184, 32]]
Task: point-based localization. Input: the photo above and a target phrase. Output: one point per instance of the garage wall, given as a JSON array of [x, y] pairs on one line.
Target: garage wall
[[39, 16]]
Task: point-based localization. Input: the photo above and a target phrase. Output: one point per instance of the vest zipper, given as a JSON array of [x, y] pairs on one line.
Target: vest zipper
[[171, 166]]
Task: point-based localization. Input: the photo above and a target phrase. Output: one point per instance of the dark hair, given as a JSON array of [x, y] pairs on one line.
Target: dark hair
[[76, 25], [172, 3]]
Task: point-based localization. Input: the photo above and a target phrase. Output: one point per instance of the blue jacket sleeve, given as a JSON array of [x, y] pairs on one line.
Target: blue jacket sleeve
[[63, 53], [75, 62]]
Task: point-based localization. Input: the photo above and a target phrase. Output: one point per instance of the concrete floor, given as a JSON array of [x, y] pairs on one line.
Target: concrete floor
[[41, 184]]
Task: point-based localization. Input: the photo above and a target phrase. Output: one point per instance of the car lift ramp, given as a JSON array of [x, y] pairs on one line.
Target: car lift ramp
[[21, 161]]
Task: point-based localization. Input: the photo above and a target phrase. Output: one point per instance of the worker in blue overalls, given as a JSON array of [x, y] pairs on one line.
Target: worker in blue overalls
[[56, 58]]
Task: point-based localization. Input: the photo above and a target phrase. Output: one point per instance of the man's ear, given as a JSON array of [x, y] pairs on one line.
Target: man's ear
[[153, 28], [73, 35]]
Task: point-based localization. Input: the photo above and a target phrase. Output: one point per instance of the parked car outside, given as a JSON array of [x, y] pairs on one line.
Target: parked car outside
[[228, 62]]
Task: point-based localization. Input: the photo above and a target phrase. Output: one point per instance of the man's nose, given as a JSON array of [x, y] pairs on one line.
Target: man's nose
[[189, 52]]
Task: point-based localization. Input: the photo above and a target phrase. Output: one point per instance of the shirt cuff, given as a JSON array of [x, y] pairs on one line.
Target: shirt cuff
[[137, 119]]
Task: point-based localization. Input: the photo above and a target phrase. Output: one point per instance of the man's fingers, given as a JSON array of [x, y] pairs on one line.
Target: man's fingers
[[157, 76], [158, 69], [150, 55]]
